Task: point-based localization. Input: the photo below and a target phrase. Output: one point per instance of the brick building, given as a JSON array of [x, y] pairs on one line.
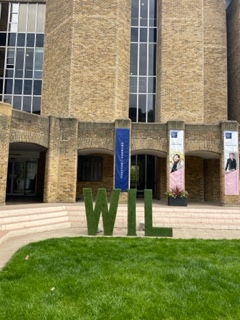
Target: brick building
[[77, 76]]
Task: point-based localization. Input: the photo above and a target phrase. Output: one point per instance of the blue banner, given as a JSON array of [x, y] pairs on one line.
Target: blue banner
[[122, 159]]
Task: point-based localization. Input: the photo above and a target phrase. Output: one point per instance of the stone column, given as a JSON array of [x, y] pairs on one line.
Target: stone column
[[61, 161], [227, 199], [5, 123]]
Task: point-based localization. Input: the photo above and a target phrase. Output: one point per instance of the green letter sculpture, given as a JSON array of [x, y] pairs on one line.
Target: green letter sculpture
[[149, 229], [93, 215], [132, 212]]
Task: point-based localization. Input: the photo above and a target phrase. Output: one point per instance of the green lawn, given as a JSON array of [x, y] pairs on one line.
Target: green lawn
[[122, 278]]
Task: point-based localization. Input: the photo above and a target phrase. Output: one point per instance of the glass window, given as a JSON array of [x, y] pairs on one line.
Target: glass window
[[134, 59], [31, 22], [22, 22], [30, 39], [90, 168], [142, 84], [143, 60], [142, 108], [37, 87], [29, 63], [41, 17], [39, 59], [134, 34], [39, 40], [21, 39], [143, 35], [27, 102], [36, 106], [3, 37], [17, 102], [18, 87], [133, 84], [27, 87], [8, 86], [11, 39]]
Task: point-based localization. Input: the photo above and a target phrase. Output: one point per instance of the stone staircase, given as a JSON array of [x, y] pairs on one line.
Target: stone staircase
[[20, 220]]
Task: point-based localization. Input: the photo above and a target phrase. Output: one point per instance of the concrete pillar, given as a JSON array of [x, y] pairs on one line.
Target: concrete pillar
[[5, 122]]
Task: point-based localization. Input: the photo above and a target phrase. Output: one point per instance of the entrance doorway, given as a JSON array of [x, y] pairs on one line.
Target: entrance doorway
[[21, 179], [143, 174]]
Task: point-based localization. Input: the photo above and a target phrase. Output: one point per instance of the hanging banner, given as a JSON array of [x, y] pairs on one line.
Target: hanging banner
[[176, 159], [122, 159], [231, 163]]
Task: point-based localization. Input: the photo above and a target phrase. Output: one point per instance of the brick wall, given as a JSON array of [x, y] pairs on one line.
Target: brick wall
[[211, 180], [5, 121], [192, 71], [86, 68]]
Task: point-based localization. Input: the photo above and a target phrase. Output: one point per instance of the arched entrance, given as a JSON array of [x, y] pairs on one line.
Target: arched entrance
[[26, 168], [202, 176]]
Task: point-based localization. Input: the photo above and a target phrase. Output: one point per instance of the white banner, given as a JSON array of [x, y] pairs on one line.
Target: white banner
[[176, 159], [231, 165]]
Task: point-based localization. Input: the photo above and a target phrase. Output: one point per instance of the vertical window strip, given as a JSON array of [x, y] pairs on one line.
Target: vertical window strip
[[144, 79], [21, 20]]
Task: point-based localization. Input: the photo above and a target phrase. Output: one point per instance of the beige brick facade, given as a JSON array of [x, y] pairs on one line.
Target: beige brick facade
[[85, 97]]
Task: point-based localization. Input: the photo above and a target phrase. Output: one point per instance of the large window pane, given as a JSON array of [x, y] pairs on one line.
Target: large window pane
[[31, 23], [142, 108], [39, 40], [134, 59], [134, 34], [3, 37], [22, 20], [30, 39], [143, 59], [133, 107], [19, 63], [152, 60], [18, 87], [11, 39], [8, 86], [143, 35], [27, 87], [36, 106], [17, 102], [27, 102], [39, 59], [29, 63], [41, 17], [133, 84], [37, 90], [21, 39], [142, 84]]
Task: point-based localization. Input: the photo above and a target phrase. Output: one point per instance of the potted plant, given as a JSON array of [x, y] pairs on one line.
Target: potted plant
[[177, 197]]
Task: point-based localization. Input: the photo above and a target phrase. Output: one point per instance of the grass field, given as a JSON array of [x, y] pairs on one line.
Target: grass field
[[122, 278]]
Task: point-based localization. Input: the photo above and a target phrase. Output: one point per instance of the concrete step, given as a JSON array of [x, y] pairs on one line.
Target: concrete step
[[16, 217], [3, 236], [39, 228]]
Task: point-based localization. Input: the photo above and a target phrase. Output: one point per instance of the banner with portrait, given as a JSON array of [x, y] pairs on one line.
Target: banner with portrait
[[231, 165], [177, 159]]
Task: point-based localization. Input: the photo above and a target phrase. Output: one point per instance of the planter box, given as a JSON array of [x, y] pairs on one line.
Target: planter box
[[177, 201]]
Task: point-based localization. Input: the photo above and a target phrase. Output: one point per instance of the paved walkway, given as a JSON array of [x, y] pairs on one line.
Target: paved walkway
[[11, 245]]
